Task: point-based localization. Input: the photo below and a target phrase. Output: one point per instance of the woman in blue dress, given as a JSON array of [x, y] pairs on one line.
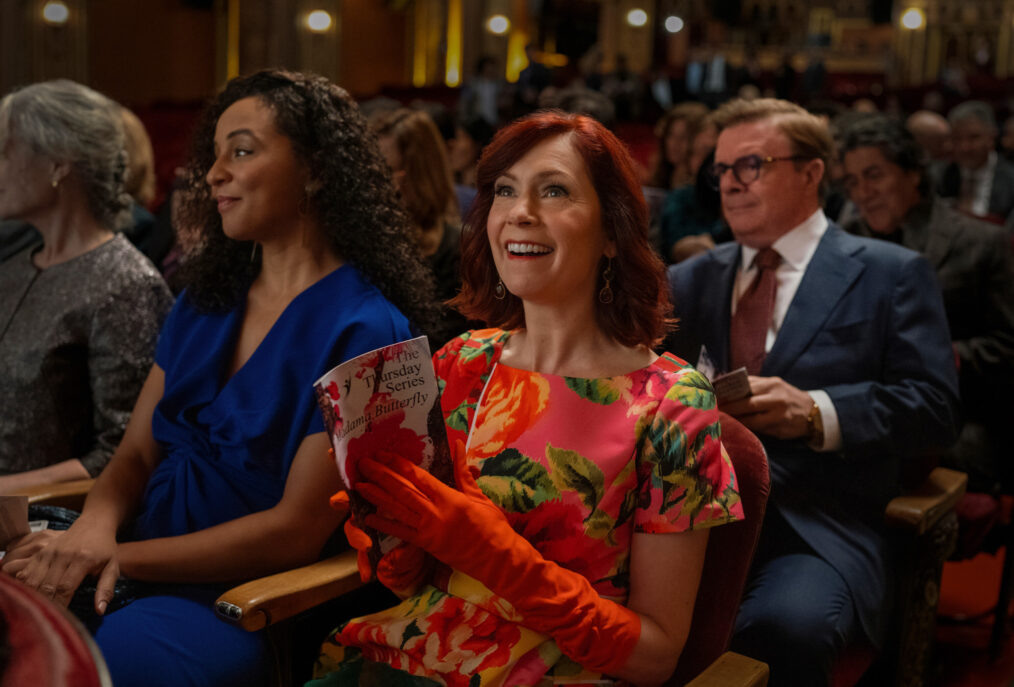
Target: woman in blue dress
[[300, 259]]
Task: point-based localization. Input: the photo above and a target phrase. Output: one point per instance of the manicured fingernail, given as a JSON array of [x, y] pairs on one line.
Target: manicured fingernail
[[102, 607]]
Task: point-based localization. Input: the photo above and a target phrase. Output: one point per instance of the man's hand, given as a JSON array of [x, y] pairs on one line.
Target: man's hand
[[776, 408]]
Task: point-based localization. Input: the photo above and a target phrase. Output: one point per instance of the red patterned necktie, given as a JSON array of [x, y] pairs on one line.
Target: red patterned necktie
[[754, 312]]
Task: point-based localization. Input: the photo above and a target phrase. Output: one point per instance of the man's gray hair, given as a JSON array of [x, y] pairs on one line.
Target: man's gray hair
[[67, 122], [973, 109]]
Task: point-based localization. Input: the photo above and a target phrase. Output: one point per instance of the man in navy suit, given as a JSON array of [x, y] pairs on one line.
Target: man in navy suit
[[851, 374]]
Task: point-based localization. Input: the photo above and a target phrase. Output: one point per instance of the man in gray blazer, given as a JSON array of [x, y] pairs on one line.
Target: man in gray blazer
[[980, 182], [886, 178]]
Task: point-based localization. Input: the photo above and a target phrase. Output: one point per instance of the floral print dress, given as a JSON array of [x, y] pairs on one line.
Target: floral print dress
[[578, 466]]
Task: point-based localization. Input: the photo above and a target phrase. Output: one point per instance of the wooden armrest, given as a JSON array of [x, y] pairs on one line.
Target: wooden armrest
[[732, 670], [66, 494], [920, 509], [259, 603]]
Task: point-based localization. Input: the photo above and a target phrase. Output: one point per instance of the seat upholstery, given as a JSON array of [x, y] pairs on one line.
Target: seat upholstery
[[44, 645], [729, 554]]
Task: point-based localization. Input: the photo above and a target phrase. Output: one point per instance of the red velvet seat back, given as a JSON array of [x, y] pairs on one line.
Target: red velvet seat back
[[47, 646], [730, 552]]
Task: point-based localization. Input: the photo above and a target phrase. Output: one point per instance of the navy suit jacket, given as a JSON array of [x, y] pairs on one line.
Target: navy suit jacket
[[867, 326]]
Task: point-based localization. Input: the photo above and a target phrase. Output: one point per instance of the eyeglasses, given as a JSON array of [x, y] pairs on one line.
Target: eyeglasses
[[747, 168]]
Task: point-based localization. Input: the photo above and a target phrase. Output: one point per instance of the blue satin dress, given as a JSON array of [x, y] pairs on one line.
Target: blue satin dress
[[228, 444]]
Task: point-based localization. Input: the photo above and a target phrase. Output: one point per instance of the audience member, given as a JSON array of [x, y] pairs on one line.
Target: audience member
[[534, 78], [306, 261], [674, 133], [886, 176], [785, 77], [140, 183], [481, 94], [814, 79], [414, 151], [864, 106], [837, 206], [79, 315], [471, 136], [691, 218], [932, 132], [536, 578], [980, 181], [153, 238], [626, 89], [851, 374], [442, 117], [581, 100]]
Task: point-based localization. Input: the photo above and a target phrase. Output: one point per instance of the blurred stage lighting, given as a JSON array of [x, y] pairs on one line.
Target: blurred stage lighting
[[673, 24], [498, 24], [913, 18], [318, 21], [55, 13], [637, 17]]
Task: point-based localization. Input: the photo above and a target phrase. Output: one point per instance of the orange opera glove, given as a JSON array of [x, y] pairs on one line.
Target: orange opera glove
[[401, 569], [467, 532]]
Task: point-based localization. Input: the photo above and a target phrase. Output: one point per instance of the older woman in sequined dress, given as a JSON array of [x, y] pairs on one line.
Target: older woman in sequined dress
[[80, 314]]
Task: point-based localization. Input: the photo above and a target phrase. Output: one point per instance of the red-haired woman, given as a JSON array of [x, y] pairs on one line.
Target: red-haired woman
[[588, 468]]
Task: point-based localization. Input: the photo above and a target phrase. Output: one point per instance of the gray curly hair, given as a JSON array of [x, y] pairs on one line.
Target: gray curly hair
[[65, 121]]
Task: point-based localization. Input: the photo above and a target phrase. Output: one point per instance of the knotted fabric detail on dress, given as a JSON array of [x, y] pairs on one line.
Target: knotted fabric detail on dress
[[754, 312]]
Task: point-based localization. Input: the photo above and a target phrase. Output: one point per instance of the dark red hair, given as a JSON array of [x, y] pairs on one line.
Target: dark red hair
[[638, 313]]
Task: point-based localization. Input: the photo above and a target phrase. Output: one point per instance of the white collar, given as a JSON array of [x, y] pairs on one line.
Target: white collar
[[796, 247], [984, 172]]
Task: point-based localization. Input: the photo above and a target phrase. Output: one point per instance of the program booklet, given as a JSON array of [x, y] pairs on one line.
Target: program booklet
[[384, 400]]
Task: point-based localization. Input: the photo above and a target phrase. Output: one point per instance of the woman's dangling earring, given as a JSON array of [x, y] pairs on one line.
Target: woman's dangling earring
[[56, 182], [501, 290], [606, 293]]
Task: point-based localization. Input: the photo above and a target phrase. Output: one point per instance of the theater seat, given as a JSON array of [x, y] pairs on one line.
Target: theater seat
[[926, 526], [266, 602], [43, 645]]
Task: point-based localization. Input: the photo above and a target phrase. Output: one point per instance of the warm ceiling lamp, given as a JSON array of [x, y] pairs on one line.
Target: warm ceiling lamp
[[318, 21], [913, 18], [637, 17], [498, 24], [55, 13]]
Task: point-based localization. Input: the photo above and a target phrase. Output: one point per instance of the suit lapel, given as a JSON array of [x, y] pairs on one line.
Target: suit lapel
[[728, 263], [939, 236], [831, 272], [999, 195]]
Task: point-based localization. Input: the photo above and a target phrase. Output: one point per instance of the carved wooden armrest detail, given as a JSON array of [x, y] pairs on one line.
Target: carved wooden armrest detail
[[920, 509]]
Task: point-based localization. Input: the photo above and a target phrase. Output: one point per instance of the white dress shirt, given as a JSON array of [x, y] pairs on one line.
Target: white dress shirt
[[977, 186], [796, 248]]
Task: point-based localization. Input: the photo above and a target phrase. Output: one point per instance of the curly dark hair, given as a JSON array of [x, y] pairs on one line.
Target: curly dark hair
[[894, 141], [351, 194]]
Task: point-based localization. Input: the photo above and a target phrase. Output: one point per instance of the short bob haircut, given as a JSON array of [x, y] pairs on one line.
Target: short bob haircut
[[67, 122], [893, 140], [427, 188], [638, 313], [808, 134]]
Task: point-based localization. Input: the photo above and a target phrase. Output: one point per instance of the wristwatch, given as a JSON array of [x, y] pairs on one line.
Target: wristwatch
[[815, 427]]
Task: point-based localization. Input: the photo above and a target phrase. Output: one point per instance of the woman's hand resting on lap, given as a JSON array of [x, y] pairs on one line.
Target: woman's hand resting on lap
[[55, 563]]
